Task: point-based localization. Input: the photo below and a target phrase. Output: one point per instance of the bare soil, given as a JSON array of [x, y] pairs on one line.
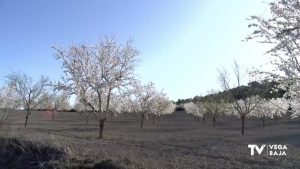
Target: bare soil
[[176, 141]]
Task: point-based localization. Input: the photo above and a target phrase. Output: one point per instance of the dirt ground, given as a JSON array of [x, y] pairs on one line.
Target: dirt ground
[[176, 141]]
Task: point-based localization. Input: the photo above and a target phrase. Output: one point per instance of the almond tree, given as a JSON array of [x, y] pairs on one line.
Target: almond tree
[[293, 97], [279, 107], [128, 105], [272, 108], [28, 91], [58, 102], [162, 105], [214, 105], [202, 110], [263, 110], [192, 109], [98, 71], [281, 32], [115, 107], [170, 108], [85, 98], [196, 109], [230, 111], [144, 96], [8, 103], [83, 109], [209, 108], [244, 102]]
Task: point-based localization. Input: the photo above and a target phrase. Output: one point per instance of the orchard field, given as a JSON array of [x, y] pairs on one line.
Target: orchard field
[[177, 140], [70, 99]]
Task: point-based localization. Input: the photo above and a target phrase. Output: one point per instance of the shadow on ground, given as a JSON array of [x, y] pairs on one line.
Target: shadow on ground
[[22, 154]]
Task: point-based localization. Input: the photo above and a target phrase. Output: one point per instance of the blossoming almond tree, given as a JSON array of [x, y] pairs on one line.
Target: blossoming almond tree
[[281, 32], [8, 103], [162, 106], [279, 107], [170, 108], [115, 107], [86, 99], [145, 98], [55, 102], [243, 101], [293, 97], [230, 111], [29, 92], [128, 105], [272, 108], [196, 109], [214, 105], [262, 111], [101, 69], [84, 110]]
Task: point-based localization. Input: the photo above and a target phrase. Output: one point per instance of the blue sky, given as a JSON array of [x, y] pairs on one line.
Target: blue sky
[[182, 42]]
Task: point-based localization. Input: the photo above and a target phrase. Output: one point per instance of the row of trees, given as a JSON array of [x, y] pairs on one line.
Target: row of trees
[[238, 101], [22, 92], [280, 31], [101, 77], [258, 107], [142, 100]]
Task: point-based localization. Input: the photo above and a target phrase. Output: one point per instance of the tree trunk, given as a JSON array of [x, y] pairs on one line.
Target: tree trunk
[[101, 126], [52, 115], [263, 122], [243, 124], [142, 122], [86, 115], [153, 120], [214, 122], [203, 119], [86, 119], [27, 115], [81, 114]]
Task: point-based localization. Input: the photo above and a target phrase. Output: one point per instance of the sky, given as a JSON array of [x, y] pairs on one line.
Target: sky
[[182, 43]]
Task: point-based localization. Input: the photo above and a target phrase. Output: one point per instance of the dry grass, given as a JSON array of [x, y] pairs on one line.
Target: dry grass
[[177, 141]]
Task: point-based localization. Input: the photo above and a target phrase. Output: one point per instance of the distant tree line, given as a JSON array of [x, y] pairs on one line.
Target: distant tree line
[[264, 89]]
